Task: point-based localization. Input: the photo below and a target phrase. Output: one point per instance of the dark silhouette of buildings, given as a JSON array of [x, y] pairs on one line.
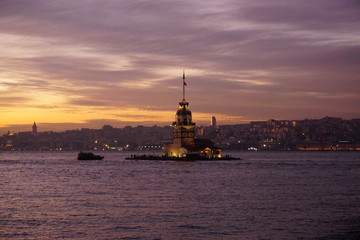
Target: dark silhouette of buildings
[[328, 133]]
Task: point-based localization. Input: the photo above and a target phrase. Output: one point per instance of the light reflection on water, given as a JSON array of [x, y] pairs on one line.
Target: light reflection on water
[[266, 195]]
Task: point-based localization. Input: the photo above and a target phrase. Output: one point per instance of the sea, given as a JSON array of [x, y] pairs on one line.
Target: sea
[[264, 195]]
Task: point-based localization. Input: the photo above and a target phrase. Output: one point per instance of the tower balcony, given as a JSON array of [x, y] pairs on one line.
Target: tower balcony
[[183, 123], [184, 103]]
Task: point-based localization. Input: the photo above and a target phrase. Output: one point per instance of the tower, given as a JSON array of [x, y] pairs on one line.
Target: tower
[[213, 121], [34, 129], [183, 129], [184, 143]]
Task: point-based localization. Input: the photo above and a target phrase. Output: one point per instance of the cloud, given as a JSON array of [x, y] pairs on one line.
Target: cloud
[[243, 59]]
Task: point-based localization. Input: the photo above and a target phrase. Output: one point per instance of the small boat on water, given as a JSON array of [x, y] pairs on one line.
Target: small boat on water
[[88, 156]]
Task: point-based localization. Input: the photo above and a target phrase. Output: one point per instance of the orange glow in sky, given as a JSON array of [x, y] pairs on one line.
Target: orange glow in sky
[[67, 65]]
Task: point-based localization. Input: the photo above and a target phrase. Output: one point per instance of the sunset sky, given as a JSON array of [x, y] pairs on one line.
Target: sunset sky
[[84, 63]]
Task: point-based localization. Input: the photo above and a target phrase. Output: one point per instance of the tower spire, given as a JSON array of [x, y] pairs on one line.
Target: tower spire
[[184, 84]]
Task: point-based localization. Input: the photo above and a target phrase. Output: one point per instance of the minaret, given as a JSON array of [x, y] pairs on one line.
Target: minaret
[[34, 129]]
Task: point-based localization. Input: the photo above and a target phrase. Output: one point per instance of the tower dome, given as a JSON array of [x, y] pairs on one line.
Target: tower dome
[[183, 115]]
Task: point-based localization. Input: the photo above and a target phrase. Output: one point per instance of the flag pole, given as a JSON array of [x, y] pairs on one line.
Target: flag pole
[[183, 84]]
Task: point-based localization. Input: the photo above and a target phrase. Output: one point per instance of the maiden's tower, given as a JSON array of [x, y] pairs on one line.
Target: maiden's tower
[[184, 145], [184, 142]]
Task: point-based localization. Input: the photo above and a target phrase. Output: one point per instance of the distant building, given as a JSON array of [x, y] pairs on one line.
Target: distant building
[[200, 131], [213, 121], [184, 141], [34, 130], [9, 140]]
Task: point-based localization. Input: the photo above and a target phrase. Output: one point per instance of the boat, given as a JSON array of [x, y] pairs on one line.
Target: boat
[[89, 156]]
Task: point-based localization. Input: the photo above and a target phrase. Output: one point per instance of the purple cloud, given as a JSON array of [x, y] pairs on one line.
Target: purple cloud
[[255, 60]]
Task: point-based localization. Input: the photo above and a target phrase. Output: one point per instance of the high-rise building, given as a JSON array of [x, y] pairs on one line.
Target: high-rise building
[[213, 121]]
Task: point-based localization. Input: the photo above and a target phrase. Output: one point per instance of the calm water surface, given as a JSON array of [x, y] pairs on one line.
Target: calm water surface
[[266, 195]]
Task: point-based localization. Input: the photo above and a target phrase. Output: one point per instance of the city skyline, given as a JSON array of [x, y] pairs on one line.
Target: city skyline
[[85, 64]]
